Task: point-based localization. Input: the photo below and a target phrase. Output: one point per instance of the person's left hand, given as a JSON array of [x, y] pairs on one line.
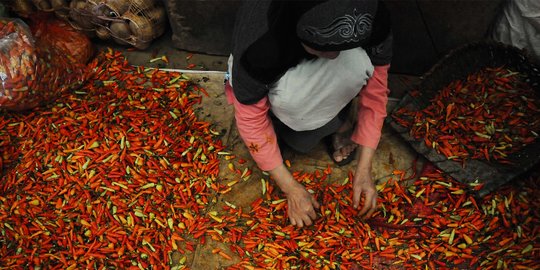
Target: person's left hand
[[363, 186]]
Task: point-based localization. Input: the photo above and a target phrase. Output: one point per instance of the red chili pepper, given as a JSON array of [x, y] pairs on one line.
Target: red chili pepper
[[106, 150], [451, 231], [470, 118], [112, 191]]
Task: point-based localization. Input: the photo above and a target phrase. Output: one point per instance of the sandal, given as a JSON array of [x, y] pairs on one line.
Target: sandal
[[331, 150]]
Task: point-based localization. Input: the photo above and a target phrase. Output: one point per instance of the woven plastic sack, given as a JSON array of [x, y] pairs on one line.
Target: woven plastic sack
[[519, 25], [31, 76]]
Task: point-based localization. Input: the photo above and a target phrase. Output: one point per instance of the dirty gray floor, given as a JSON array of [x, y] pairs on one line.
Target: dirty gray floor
[[393, 153]]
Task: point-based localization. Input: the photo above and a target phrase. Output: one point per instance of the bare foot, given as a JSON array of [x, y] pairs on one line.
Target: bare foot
[[343, 146]]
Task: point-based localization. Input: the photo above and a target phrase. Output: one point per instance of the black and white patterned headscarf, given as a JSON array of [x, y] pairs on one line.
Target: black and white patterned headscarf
[[336, 25]]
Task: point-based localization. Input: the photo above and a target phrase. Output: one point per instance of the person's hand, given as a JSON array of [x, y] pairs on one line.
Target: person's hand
[[300, 202], [301, 206], [363, 186]]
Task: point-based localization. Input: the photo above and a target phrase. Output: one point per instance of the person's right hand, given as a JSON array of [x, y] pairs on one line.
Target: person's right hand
[[301, 206], [300, 202]]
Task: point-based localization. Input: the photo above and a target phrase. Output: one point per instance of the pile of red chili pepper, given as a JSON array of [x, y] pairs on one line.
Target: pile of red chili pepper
[[432, 223], [489, 115], [111, 175], [121, 173]]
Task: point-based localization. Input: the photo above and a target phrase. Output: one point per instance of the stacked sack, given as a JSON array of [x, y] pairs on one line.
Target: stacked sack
[[128, 22]]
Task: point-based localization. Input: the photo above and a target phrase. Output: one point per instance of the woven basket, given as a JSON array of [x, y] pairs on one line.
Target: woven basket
[[457, 65]]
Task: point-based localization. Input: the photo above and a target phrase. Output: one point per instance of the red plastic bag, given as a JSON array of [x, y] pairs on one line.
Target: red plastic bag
[[49, 31], [32, 75]]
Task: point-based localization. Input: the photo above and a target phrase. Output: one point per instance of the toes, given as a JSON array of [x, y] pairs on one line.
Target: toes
[[343, 147], [343, 153], [346, 151], [338, 156]]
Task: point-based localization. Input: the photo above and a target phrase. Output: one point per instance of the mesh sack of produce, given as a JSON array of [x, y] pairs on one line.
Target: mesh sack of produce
[[30, 75], [129, 22]]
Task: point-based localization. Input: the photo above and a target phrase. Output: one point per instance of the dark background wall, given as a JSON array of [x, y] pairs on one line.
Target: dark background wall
[[424, 30]]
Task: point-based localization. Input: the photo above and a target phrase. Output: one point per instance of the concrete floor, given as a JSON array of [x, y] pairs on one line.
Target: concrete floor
[[393, 153]]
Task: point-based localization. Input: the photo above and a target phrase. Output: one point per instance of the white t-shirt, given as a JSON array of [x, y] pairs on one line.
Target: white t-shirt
[[312, 93]]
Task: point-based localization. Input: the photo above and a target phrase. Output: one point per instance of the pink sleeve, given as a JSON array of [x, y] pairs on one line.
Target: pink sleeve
[[372, 109], [256, 130]]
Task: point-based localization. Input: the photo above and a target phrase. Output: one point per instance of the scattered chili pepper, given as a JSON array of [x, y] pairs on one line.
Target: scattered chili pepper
[[111, 175], [440, 225], [488, 115], [161, 58], [120, 174]]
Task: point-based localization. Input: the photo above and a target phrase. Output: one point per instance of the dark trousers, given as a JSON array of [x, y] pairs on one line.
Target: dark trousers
[[305, 141]]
